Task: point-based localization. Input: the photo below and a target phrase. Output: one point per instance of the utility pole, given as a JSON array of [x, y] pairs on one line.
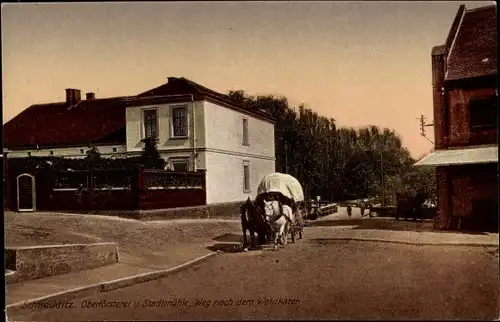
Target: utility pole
[[286, 157], [382, 178], [423, 125]]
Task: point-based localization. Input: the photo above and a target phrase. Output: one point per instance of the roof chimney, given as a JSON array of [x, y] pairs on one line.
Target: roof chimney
[[69, 95], [73, 96], [90, 96], [77, 95]]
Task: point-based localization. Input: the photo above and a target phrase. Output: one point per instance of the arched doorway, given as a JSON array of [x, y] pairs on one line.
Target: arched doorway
[[26, 192]]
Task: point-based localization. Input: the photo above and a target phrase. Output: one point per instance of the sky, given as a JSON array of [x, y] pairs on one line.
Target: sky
[[361, 63]]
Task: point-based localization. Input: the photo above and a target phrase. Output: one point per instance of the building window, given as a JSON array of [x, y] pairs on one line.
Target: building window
[[246, 177], [150, 118], [180, 165], [245, 132], [51, 153], [29, 154], [179, 122], [483, 113], [484, 174]]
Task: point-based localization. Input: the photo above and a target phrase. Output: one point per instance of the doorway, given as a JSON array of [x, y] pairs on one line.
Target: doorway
[[26, 192]]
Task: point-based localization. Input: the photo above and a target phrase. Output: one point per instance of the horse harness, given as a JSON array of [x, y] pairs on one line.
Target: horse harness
[[282, 214]]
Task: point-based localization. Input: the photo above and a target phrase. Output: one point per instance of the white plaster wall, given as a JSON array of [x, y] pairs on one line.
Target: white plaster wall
[[224, 131], [225, 176], [165, 142], [70, 152]]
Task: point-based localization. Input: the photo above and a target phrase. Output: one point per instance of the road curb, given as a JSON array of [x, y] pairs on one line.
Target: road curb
[[103, 287], [413, 243], [145, 277]]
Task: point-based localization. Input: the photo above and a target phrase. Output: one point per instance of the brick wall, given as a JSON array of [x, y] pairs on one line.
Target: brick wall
[[443, 193], [230, 210], [458, 111], [85, 201], [137, 196], [42, 261], [171, 198], [451, 106], [459, 186], [438, 96]]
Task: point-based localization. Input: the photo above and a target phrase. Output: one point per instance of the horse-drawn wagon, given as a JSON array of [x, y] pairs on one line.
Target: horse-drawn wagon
[[282, 199]]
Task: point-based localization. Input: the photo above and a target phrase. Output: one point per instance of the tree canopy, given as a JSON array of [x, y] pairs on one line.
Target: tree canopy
[[338, 163]]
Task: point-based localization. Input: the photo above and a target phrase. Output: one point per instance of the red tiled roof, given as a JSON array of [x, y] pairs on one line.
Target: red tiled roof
[[185, 86], [96, 120], [59, 124], [474, 50]]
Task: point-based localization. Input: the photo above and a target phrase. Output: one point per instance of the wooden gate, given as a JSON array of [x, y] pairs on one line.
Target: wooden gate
[[26, 192]]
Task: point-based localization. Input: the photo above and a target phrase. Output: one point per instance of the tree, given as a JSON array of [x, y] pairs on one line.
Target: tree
[[150, 157], [93, 157], [335, 163]]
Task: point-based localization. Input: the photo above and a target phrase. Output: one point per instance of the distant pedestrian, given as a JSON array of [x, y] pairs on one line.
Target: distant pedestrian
[[349, 210], [369, 206], [362, 209]]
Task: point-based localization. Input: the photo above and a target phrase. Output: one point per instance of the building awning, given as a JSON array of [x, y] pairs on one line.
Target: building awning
[[472, 155]]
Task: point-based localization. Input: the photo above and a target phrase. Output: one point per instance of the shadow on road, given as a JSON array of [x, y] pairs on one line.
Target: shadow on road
[[388, 224], [226, 247], [327, 241], [229, 238], [331, 223]]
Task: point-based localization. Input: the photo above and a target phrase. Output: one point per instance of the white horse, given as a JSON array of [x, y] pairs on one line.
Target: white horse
[[280, 221]]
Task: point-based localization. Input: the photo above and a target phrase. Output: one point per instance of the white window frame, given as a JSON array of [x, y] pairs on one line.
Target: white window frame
[[246, 164], [173, 160], [143, 126], [177, 107], [246, 134]]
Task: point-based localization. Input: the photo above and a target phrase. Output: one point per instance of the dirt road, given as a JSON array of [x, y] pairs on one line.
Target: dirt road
[[312, 279], [148, 243]]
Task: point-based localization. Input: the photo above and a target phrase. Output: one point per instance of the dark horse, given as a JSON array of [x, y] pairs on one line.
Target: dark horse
[[253, 220]]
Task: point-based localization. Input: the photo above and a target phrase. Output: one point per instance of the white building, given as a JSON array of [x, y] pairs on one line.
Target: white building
[[197, 128]]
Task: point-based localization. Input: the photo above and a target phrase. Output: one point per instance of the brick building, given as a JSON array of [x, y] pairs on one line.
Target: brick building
[[464, 82]]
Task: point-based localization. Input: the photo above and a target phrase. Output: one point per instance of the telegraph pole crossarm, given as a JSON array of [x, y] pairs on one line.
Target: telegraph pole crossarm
[[423, 125]]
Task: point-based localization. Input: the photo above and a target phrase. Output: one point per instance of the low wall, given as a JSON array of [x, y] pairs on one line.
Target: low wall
[[35, 262], [105, 199], [230, 210], [152, 199]]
